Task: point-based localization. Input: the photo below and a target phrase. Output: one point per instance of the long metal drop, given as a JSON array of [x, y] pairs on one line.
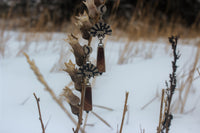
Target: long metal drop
[[88, 98], [101, 59]]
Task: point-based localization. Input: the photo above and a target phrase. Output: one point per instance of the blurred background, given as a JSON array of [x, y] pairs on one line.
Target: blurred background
[[149, 18], [138, 60]]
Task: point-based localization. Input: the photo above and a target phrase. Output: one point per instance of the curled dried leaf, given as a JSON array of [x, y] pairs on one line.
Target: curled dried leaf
[[98, 2], [84, 25], [71, 97], [78, 84], [77, 50], [75, 109], [83, 17], [92, 9], [72, 71]]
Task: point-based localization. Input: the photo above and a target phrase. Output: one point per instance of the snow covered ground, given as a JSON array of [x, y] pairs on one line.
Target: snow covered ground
[[142, 77]]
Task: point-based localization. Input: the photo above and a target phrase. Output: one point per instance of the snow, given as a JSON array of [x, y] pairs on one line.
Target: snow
[[141, 77]]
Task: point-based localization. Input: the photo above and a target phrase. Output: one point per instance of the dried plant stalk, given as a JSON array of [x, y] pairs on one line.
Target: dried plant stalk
[[148, 103], [198, 71], [47, 88], [124, 112], [40, 116], [85, 122], [82, 106], [103, 107], [161, 109], [167, 116], [100, 118], [190, 79]]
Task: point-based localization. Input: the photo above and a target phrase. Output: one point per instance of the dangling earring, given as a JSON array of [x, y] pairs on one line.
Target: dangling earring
[[87, 71], [88, 98], [101, 58], [100, 29]]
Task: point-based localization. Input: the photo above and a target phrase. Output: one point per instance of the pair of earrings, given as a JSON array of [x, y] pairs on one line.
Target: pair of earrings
[[89, 70]]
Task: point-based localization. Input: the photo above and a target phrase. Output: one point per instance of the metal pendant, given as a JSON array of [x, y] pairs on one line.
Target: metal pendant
[[101, 59], [100, 30], [88, 98]]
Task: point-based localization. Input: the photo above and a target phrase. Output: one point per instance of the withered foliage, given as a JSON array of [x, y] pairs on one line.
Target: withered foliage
[[72, 99], [72, 71], [77, 49]]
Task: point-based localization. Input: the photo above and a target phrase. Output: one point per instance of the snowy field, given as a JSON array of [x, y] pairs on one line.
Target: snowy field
[[143, 76]]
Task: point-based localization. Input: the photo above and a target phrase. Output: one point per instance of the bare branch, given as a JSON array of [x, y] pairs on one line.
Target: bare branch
[[100, 118], [40, 116], [124, 112], [47, 88], [81, 109], [103, 107], [85, 122], [153, 99], [161, 108]]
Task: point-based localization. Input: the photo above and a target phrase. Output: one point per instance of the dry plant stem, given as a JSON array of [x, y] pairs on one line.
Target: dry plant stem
[[85, 122], [154, 98], [103, 107], [47, 88], [173, 40], [161, 108], [115, 6], [124, 112], [190, 79], [89, 41], [40, 116], [25, 101], [198, 71], [82, 106], [100, 118]]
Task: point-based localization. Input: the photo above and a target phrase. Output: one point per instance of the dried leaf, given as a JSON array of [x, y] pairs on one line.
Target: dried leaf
[[77, 50], [84, 25], [92, 9], [75, 109], [98, 2], [71, 97], [72, 71]]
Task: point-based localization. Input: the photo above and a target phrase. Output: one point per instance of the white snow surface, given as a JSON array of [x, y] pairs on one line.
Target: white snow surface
[[141, 77]]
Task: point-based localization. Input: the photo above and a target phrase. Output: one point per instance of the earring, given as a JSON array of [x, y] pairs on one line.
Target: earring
[[101, 29]]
